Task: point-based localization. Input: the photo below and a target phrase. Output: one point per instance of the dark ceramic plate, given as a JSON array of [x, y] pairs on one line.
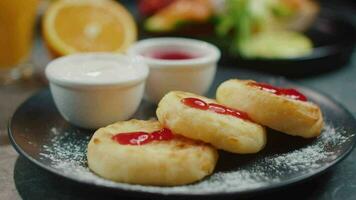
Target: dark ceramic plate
[[38, 132], [333, 38], [332, 34]]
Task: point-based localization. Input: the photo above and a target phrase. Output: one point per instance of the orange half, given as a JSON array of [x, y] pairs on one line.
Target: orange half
[[88, 26]]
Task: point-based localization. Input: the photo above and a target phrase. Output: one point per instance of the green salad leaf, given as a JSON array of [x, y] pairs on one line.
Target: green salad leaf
[[244, 20]]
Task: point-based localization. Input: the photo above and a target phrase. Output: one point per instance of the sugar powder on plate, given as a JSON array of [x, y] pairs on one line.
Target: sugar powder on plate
[[67, 154]]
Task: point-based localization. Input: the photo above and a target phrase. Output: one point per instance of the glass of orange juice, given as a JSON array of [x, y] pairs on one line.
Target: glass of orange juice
[[17, 19]]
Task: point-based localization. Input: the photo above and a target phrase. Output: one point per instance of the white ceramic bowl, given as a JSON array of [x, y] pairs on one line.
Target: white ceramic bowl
[[192, 75], [95, 89]]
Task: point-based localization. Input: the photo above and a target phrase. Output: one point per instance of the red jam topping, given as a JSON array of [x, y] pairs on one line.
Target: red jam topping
[[288, 92], [140, 138], [172, 55], [217, 108]]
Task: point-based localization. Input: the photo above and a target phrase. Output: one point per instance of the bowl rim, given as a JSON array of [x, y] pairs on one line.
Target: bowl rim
[[50, 71], [211, 56]]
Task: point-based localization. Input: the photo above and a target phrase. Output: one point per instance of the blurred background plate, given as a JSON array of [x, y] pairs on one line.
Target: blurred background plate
[[334, 39], [332, 34]]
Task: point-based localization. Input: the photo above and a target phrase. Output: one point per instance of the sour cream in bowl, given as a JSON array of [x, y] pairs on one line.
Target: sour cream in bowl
[[92, 90]]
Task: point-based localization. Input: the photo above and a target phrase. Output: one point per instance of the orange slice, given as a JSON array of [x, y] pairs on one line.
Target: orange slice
[[88, 26]]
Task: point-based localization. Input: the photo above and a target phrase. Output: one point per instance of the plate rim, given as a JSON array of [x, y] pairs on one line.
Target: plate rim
[[133, 192]]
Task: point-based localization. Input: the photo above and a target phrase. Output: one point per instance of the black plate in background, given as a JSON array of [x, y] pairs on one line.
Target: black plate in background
[[30, 132], [334, 39], [333, 36]]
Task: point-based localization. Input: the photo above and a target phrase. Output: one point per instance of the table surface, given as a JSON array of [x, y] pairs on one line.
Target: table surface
[[20, 179]]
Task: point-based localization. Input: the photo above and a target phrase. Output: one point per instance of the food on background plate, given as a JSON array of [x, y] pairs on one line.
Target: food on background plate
[[169, 15], [283, 109], [144, 152], [297, 15], [238, 23], [247, 20], [88, 26], [204, 119], [149, 7], [269, 44]]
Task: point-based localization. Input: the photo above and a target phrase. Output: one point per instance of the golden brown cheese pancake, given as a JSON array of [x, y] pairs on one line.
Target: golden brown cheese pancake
[[290, 112], [114, 153], [186, 114]]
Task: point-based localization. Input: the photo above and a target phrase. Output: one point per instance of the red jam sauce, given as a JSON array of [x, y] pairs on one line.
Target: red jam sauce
[[140, 138], [287, 92], [172, 55], [217, 108]]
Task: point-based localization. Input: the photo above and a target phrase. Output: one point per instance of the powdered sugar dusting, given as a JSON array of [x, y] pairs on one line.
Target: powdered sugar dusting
[[67, 154], [308, 158]]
